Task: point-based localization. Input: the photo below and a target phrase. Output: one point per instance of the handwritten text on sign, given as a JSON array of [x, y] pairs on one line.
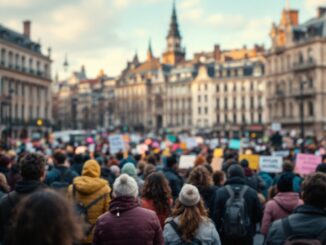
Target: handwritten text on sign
[[270, 164], [306, 164]]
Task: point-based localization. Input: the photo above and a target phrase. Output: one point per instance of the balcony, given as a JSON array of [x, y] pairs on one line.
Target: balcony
[[305, 65], [307, 92]]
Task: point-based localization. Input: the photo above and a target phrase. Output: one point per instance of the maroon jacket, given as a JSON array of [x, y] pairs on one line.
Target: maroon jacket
[[127, 223]]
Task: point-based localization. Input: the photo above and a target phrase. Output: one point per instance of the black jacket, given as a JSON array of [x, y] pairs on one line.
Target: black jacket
[[253, 205], [10, 201], [175, 181], [306, 220], [209, 194]]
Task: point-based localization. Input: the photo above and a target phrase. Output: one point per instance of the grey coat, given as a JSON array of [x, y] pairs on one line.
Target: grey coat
[[306, 220], [206, 233]]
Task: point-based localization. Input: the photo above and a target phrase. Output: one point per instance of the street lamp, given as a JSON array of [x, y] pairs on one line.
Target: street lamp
[[302, 83]]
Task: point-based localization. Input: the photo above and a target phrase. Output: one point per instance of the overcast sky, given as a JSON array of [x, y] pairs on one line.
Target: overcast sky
[[104, 34]]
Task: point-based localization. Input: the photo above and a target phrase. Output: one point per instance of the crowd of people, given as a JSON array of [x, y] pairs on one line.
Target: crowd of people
[[73, 197]]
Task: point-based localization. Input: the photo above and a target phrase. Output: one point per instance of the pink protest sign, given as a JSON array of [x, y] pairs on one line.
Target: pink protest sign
[[306, 164]]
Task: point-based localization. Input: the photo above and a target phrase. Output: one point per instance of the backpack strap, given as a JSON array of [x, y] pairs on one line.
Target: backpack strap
[[92, 203], [287, 227], [243, 191], [177, 230], [230, 191]]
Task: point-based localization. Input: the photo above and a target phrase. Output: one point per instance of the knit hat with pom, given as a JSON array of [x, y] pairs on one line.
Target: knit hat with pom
[[125, 186], [189, 195]]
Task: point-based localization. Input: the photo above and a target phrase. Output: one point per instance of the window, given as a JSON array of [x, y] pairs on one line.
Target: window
[[243, 118], [218, 118], [252, 102], [234, 118], [311, 109], [206, 86], [283, 110], [217, 88], [251, 86], [225, 103], [234, 103], [206, 110], [226, 118], [217, 104], [198, 87], [199, 98], [199, 110], [260, 119], [252, 117], [243, 103], [225, 87], [290, 109], [206, 98], [235, 87]]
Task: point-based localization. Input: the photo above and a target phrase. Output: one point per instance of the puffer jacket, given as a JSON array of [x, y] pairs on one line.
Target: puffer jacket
[[206, 233], [126, 224], [88, 187], [282, 205]]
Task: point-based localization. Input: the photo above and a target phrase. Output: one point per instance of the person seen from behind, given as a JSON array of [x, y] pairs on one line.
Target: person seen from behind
[[171, 173]]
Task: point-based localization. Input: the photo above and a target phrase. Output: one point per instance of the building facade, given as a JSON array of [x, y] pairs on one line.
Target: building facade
[[25, 84], [296, 74]]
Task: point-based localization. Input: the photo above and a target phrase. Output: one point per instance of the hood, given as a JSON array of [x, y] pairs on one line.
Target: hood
[[89, 185], [28, 186], [122, 204], [91, 168], [289, 200]]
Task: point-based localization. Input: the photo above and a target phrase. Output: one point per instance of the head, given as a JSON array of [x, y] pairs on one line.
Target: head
[[78, 159], [321, 168], [130, 169], [235, 171], [115, 170], [45, 218], [200, 177], [32, 166], [125, 186], [314, 190], [244, 163], [285, 183], [191, 210], [91, 168], [157, 188], [288, 166], [5, 161], [219, 178], [59, 158], [149, 169], [141, 166], [171, 162], [152, 160], [200, 160]]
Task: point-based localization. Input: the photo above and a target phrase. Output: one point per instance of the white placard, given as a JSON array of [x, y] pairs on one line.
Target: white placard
[[191, 143], [270, 164], [142, 148], [281, 153], [276, 127], [116, 143], [186, 162]]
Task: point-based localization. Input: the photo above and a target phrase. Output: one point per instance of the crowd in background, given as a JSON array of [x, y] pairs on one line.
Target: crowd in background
[[62, 194]]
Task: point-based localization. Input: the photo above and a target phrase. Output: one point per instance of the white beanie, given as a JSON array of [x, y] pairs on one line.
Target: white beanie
[[125, 186], [189, 195]]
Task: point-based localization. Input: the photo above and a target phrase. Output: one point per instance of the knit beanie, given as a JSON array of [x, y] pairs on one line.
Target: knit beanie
[[189, 195], [130, 169], [115, 170], [285, 183], [321, 168], [235, 171], [125, 186]]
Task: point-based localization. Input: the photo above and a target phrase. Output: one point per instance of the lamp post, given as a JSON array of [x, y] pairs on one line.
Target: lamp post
[[302, 83]]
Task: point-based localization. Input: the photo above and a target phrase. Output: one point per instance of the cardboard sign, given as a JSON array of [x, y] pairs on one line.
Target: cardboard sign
[[186, 162], [306, 163], [142, 148], [116, 143], [190, 143], [218, 152], [252, 159], [281, 153], [270, 164], [217, 164], [234, 144]]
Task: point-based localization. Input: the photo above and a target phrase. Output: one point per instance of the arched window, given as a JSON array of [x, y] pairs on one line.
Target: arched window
[[301, 59], [310, 108]]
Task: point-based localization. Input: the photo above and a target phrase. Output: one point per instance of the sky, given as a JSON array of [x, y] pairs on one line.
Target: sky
[[105, 34]]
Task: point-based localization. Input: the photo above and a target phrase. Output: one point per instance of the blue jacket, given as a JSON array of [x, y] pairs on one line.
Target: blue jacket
[[60, 174]]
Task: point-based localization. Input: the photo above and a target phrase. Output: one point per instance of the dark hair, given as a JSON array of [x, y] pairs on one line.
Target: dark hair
[[288, 166], [285, 183], [59, 157], [157, 189], [4, 160], [32, 166], [314, 190], [78, 159], [171, 161], [200, 177], [218, 176], [45, 218], [152, 160], [321, 168], [148, 169], [235, 171]]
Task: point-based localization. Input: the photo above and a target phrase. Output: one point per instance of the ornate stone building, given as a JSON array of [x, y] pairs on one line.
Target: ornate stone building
[[25, 84], [295, 74]]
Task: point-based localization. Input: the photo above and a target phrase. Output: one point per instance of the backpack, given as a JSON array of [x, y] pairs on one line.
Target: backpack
[[82, 210], [61, 183], [175, 227], [292, 239], [236, 221]]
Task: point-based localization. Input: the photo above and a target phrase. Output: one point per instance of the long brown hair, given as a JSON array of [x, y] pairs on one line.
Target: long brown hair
[[45, 218], [189, 218], [157, 189], [200, 177]]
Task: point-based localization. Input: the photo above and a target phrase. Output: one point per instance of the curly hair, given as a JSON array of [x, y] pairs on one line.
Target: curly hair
[[45, 218], [32, 165], [189, 218], [314, 190], [157, 188], [200, 177]]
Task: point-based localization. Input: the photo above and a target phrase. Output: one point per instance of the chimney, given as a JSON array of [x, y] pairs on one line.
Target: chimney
[[27, 28], [321, 11]]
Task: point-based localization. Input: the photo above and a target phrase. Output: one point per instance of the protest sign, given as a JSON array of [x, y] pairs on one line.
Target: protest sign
[[142, 148], [306, 163], [281, 153], [218, 152], [190, 143], [217, 164], [186, 162], [234, 144], [171, 138], [213, 143], [270, 164], [252, 159], [116, 143]]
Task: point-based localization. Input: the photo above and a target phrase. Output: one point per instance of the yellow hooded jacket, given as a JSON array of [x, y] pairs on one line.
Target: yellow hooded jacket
[[90, 186]]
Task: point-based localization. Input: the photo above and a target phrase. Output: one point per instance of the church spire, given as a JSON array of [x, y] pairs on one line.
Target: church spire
[[174, 26], [135, 60], [149, 51]]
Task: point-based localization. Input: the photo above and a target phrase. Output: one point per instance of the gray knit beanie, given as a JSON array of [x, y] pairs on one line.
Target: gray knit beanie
[[125, 186], [189, 195]]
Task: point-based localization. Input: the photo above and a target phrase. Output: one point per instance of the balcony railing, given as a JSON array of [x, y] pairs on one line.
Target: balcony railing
[[301, 66]]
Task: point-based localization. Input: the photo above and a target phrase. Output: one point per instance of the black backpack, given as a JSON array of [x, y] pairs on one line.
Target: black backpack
[[60, 183], [296, 239], [236, 221], [82, 210], [175, 227]]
